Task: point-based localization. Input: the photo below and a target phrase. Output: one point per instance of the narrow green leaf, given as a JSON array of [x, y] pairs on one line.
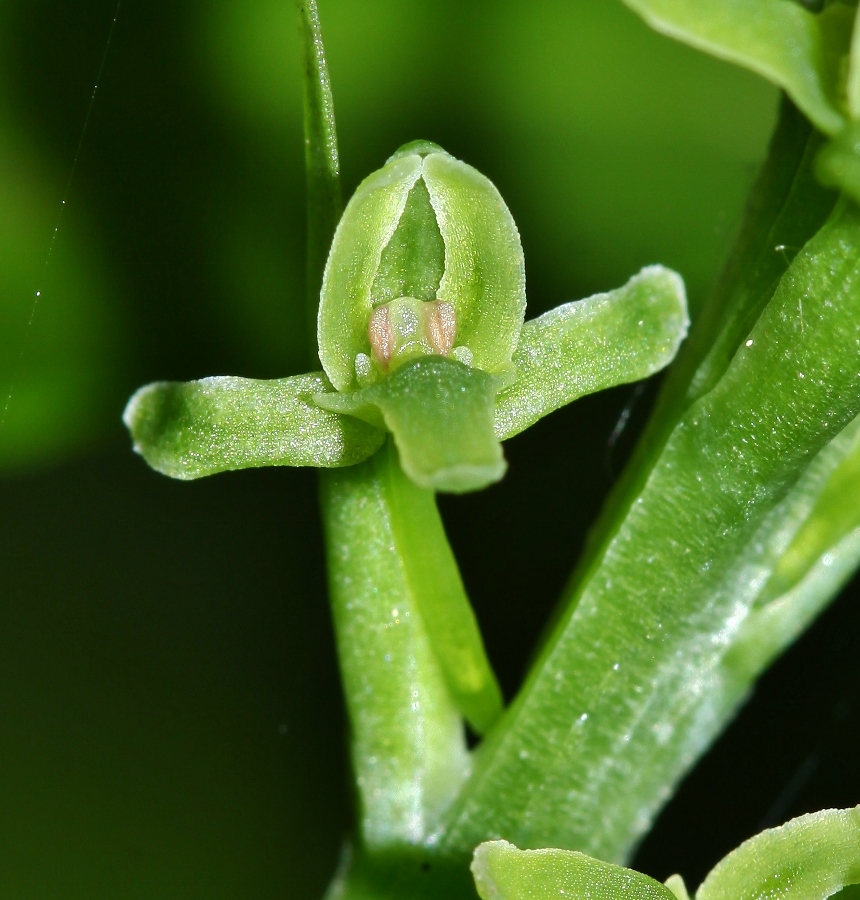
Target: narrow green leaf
[[441, 414], [593, 344], [438, 590], [346, 301], [771, 629], [797, 50], [809, 858], [503, 872], [835, 514], [188, 430], [322, 167], [407, 742], [787, 207], [630, 686]]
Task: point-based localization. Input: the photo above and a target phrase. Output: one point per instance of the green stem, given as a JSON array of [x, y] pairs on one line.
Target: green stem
[[321, 160], [407, 742]]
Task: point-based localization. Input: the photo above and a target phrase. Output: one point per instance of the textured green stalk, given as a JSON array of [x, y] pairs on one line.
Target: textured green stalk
[[321, 160], [407, 741], [629, 691]]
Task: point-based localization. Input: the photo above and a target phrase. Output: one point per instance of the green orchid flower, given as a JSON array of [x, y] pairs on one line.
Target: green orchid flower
[[421, 336]]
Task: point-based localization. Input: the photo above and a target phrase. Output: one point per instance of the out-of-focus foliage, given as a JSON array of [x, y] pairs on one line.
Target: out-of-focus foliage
[[60, 334]]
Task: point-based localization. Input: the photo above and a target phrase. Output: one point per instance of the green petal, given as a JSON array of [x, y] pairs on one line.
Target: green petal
[[431, 228], [593, 344], [797, 50], [484, 276], [188, 430], [367, 225], [441, 414], [810, 858], [503, 872]]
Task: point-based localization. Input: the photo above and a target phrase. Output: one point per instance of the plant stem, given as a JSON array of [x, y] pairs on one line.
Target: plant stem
[[321, 160]]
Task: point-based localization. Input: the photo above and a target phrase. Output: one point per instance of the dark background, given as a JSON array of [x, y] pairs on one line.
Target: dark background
[[170, 717]]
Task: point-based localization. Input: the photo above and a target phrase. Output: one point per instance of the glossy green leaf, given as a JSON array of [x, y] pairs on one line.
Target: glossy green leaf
[[593, 344], [407, 741], [435, 582], [809, 858], [630, 687], [429, 227], [503, 872], [441, 414], [188, 430], [799, 51]]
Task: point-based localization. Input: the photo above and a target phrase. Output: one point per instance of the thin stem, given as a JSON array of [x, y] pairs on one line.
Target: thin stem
[[321, 159]]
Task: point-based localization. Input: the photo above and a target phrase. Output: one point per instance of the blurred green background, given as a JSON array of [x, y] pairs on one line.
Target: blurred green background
[[170, 718]]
